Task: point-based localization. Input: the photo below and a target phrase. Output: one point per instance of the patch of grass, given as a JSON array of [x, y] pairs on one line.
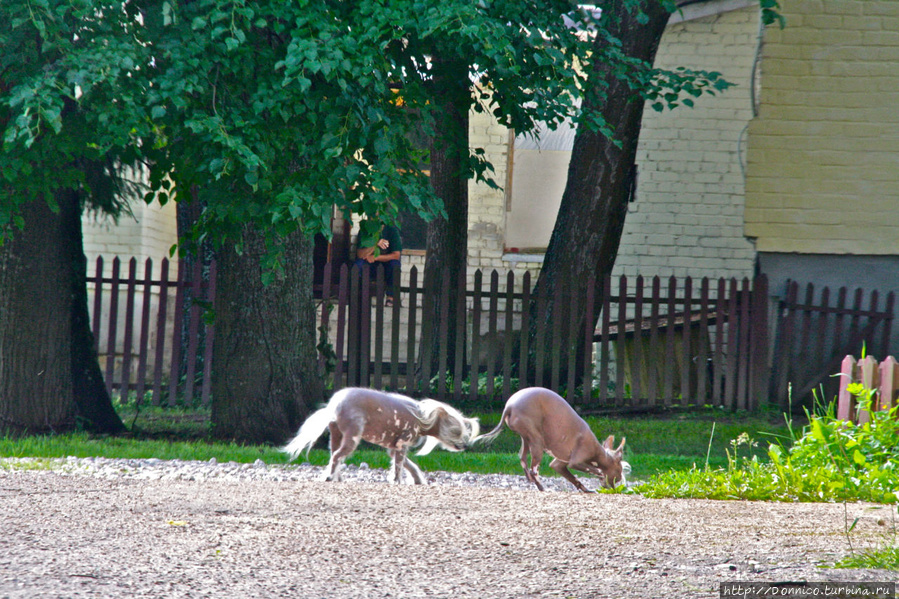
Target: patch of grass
[[655, 444], [884, 558]]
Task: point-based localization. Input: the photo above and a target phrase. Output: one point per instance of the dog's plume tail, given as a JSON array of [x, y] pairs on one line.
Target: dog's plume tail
[[312, 429]]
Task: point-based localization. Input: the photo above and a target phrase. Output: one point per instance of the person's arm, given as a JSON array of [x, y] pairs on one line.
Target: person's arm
[[388, 257], [366, 254]]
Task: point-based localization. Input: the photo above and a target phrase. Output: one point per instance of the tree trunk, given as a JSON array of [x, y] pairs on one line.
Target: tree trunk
[[588, 229], [93, 404], [49, 375], [447, 249], [35, 328], [265, 375]]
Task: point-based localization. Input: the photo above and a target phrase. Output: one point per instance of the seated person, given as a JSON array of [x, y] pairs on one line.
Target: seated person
[[386, 252]]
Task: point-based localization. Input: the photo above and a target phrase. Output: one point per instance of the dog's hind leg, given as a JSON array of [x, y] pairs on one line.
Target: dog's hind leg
[[343, 443]]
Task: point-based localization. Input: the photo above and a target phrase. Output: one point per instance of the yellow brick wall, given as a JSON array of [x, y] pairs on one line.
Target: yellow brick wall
[[823, 156]]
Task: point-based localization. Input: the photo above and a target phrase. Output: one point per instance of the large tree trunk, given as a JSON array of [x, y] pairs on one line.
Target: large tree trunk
[[588, 229], [93, 404], [447, 251], [265, 375], [49, 375], [35, 328]]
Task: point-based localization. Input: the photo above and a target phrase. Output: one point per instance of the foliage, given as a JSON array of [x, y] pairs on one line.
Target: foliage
[[63, 122], [832, 460]]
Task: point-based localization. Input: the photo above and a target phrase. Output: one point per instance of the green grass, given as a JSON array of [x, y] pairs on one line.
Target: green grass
[[655, 444], [885, 558]]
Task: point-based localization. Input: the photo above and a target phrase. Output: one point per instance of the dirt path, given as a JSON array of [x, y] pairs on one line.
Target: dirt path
[[81, 536]]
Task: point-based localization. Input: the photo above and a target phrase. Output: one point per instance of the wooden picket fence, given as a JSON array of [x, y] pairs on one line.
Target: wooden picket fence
[[882, 378], [655, 345], [159, 343], [815, 329], [658, 342]]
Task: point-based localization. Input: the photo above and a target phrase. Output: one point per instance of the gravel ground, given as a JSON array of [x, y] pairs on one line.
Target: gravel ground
[[119, 529]]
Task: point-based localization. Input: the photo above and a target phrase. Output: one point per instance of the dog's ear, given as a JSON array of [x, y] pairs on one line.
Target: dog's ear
[[609, 442]]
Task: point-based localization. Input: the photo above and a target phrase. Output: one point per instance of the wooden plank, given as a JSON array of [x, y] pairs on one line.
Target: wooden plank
[[343, 293], [759, 348], [524, 357], [820, 328], [720, 360], [540, 337], [868, 374], [474, 366], [571, 359], [687, 365], [128, 345], [887, 324], [144, 341], [743, 357], [620, 341], [555, 350], [411, 369], [640, 363], [656, 301], [443, 339], [854, 319], [98, 301], [161, 317], [733, 323], [804, 328], [353, 327], [175, 372], [113, 322], [838, 321], [461, 308], [589, 326], [378, 340], [889, 384], [783, 356], [702, 360], [845, 400], [604, 339], [509, 333], [325, 312], [395, 330], [491, 332], [193, 336], [364, 326], [670, 360], [427, 336], [206, 389]]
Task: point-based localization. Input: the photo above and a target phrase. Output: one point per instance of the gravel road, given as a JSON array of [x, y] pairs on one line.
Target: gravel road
[[117, 529]]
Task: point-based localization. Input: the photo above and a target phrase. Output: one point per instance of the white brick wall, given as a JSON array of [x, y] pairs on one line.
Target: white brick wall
[[688, 215]]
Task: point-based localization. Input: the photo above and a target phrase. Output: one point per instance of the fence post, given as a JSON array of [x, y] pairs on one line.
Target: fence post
[[846, 402], [889, 383], [758, 339], [868, 373]]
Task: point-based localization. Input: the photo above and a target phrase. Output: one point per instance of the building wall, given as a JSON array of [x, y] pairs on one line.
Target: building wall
[[822, 175], [149, 231], [687, 218]]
